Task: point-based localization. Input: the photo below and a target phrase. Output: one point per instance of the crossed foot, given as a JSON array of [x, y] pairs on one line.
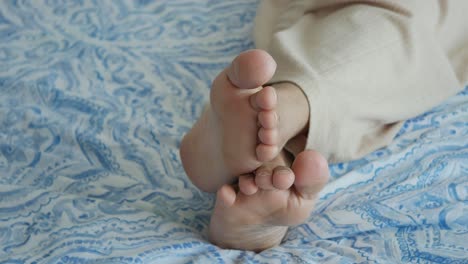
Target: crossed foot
[[244, 125], [242, 132], [283, 197]]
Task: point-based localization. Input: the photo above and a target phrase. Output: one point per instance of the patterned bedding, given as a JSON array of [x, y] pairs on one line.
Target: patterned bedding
[[94, 99]]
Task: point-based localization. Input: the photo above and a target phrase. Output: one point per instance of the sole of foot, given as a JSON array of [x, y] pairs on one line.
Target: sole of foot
[[284, 197]]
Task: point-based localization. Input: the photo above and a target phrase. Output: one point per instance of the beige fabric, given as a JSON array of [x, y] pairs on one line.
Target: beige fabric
[[365, 65]]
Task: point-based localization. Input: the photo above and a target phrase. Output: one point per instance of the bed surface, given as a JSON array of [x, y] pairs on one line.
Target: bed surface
[[94, 99]]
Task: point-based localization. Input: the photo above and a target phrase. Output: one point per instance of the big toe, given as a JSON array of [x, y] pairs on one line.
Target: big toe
[[251, 69], [311, 172]]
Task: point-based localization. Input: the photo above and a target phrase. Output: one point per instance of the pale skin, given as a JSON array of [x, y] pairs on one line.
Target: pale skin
[[241, 135]]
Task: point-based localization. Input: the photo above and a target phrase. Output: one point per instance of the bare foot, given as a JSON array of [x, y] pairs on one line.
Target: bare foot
[[259, 221], [241, 127], [222, 143]]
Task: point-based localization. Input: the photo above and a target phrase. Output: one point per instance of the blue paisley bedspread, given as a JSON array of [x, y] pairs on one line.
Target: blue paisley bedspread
[[94, 99]]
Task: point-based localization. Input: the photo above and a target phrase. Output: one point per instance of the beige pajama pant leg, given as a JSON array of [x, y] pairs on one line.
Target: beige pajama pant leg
[[365, 66]]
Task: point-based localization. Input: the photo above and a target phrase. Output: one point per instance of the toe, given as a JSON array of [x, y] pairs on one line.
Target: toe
[[266, 152], [268, 119], [283, 178], [263, 178], [311, 172], [265, 99], [251, 69], [247, 184], [226, 196], [268, 136]]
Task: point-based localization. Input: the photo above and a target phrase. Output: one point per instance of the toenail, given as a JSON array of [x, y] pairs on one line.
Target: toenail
[[282, 170], [262, 173]]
